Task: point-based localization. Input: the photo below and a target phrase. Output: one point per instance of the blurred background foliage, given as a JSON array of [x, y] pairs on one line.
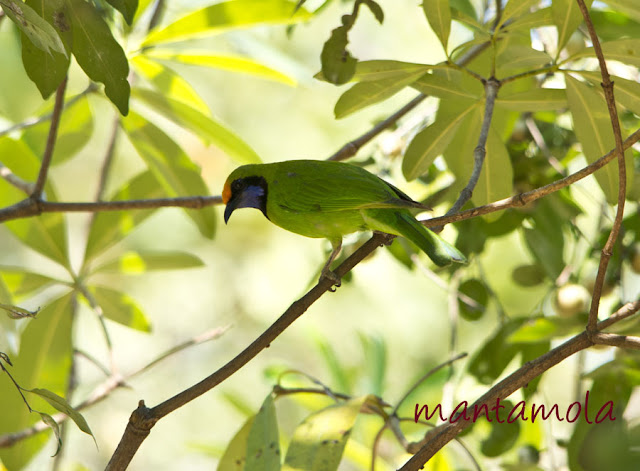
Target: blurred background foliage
[[211, 89]]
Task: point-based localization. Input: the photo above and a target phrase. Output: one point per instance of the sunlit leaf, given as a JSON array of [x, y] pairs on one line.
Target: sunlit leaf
[[120, 308], [98, 53], [592, 126], [23, 282], [438, 13], [626, 51], [60, 403], [536, 19], [627, 92], [516, 8], [432, 141], [538, 99], [319, 441], [44, 361], [518, 58], [364, 94], [202, 125], [629, 7], [126, 7], [227, 62], [47, 69], [110, 227], [446, 86], [383, 69], [177, 174], [263, 442], [36, 28], [547, 328], [235, 455], [137, 263], [567, 17], [228, 15]]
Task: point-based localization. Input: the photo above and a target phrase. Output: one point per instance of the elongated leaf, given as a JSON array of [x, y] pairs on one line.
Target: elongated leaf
[[126, 7], [53, 425], [22, 282], [547, 328], [446, 86], [593, 129], [319, 441], [263, 442], [202, 125], [438, 14], [60, 403], [537, 19], [613, 25], [172, 167], [98, 53], [44, 361], [136, 263], [74, 131], [367, 71], [111, 227], [627, 92], [496, 178], [365, 94], [432, 141], [235, 455], [121, 308], [229, 15], [227, 62], [515, 9], [567, 17], [47, 68], [629, 7], [538, 99], [169, 83], [36, 28], [519, 58]]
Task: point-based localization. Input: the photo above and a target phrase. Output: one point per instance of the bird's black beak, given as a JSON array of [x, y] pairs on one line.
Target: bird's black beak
[[232, 205], [252, 196]]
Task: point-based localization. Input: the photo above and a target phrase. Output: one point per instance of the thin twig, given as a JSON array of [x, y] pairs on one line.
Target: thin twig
[[51, 141], [607, 250], [102, 391], [15, 180]]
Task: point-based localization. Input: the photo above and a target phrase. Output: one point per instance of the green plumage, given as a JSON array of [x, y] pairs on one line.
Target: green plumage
[[326, 199]]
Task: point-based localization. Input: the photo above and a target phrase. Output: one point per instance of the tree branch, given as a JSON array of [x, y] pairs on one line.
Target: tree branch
[[51, 141], [607, 250]]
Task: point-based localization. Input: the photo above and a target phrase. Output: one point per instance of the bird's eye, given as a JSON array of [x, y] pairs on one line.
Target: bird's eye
[[237, 185]]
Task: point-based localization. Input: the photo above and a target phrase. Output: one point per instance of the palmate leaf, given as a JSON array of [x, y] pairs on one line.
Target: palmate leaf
[[177, 175], [229, 15], [44, 361], [47, 69], [205, 127]]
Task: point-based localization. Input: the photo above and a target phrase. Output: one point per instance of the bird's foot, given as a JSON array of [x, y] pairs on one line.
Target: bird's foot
[[330, 275]]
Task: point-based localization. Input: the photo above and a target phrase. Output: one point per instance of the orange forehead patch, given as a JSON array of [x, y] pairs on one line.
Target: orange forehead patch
[[226, 193]]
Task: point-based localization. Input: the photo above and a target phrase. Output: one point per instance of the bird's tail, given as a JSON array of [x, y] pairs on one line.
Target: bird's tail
[[440, 251]]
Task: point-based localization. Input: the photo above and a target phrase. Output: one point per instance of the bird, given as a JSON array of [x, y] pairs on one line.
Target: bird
[[330, 199]]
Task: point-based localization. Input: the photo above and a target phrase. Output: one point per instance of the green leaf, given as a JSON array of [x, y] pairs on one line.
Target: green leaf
[[318, 442], [59, 403], [263, 442], [438, 14], [126, 7], [612, 25], [110, 227], [364, 94], [545, 239], [120, 308], [36, 28], [433, 140], [528, 275], [629, 7], [228, 15], [538, 99], [465, 8], [496, 177], [547, 328], [137, 263], [592, 126], [375, 9], [367, 71], [17, 312], [202, 125], [231, 63], [447, 85], [515, 9], [375, 353], [53, 425], [503, 434], [178, 175], [627, 92], [169, 83], [235, 455], [623, 50], [98, 53], [515, 58], [22, 282], [567, 17], [44, 361], [47, 69], [338, 65], [537, 19], [74, 131], [476, 290]]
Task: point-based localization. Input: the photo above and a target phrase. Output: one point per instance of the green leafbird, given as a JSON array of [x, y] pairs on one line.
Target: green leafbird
[[325, 199]]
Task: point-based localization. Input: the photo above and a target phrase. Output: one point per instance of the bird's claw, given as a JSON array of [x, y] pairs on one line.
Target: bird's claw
[[335, 279]]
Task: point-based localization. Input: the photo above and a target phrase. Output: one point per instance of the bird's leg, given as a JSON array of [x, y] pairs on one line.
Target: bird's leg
[[326, 270]]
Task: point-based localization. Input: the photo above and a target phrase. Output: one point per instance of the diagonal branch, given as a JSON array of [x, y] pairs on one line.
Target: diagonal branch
[[51, 141], [607, 86]]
